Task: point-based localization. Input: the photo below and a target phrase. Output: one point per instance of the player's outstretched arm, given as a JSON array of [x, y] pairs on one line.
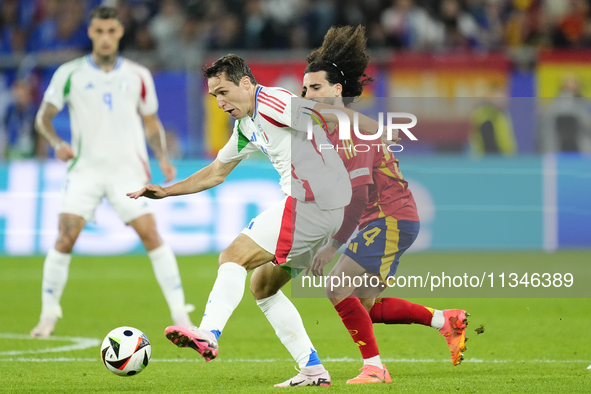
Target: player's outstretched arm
[[44, 126], [157, 141], [204, 179]]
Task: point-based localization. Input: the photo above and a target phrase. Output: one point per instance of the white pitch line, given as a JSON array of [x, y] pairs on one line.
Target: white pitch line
[[274, 360], [78, 344]]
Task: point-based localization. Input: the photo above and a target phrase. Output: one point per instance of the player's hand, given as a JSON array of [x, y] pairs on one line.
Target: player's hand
[[64, 151], [323, 257], [395, 139], [150, 191], [168, 170]]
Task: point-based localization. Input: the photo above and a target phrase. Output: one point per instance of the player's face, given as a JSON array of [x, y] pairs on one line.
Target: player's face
[[105, 35], [235, 100], [316, 87]]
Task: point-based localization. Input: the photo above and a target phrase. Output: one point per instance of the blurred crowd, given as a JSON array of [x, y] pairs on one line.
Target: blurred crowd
[[158, 29]]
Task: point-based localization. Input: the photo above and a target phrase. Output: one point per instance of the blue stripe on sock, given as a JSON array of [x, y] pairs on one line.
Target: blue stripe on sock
[[217, 334], [313, 360]]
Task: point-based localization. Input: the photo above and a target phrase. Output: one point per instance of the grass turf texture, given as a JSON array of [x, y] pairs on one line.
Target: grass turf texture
[[529, 345]]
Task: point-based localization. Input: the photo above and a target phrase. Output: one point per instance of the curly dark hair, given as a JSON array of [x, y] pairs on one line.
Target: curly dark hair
[[343, 56]]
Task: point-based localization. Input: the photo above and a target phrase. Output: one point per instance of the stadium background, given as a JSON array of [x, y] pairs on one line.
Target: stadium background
[[520, 51]]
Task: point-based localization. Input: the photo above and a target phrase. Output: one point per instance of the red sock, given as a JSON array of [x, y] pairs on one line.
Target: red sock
[[399, 311], [359, 324]]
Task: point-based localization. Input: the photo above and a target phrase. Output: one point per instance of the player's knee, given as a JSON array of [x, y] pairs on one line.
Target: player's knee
[[229, 255], [337, 292], [65, 243], [331, 292], [261, 290], [367, 303], [151, 240], [224, 258]]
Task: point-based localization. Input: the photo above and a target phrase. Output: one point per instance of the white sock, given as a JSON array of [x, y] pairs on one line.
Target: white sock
[[55, 276], [288, 325], [438, 320], [167, 274], [376, 361], [225, 296]]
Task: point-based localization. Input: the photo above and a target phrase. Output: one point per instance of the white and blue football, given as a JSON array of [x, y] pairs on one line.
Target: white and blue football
[[126, 351]]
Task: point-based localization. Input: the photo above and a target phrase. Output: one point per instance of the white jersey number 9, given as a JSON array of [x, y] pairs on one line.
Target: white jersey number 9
[[108, 99]]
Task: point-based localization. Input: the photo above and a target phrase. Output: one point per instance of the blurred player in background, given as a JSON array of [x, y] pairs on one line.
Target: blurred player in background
[[108, 98], [383, 207], [23, 142], [289, 233]]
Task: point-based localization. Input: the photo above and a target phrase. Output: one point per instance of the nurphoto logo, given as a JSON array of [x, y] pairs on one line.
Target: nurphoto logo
[[345, 128]]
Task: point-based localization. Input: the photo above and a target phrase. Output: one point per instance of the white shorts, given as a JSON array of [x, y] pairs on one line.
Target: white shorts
[[82, 192], [294, 231]]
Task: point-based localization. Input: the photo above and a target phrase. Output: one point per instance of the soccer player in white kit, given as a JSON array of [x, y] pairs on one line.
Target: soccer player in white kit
[[108, 98], [316, 186]]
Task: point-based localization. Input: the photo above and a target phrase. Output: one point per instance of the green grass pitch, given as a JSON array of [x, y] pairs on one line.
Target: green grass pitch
[[529, 345]]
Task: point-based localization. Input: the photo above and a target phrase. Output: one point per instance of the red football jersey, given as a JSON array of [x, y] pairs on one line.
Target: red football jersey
[[376, 167]]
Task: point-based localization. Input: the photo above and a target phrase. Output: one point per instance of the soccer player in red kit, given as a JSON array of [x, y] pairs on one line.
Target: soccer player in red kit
[[383, 207]]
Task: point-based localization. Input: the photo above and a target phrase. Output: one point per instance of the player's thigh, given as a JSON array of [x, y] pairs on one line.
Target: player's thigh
[[81, 193], [246, 253], [267, 280], [349, 278], [341, 279], [265, 237], [312, 229], [270, 229], [127, 208], [286, 230]]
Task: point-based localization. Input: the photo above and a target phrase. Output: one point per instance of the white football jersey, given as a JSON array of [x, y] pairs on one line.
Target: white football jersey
[[105, 114], [308, 172]]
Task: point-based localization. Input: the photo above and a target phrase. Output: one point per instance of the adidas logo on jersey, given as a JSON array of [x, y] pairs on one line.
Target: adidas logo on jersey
[[89, 86]]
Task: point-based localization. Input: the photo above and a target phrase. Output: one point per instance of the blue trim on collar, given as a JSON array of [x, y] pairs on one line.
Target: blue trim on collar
[[118, 63], [93, 63], [256, 103]]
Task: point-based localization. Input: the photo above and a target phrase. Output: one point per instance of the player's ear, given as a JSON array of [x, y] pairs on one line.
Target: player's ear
[[338, 89], [121, 31], [246, 82]]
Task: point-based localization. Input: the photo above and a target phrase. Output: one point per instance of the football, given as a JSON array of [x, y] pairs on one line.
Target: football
[[126, 351]]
